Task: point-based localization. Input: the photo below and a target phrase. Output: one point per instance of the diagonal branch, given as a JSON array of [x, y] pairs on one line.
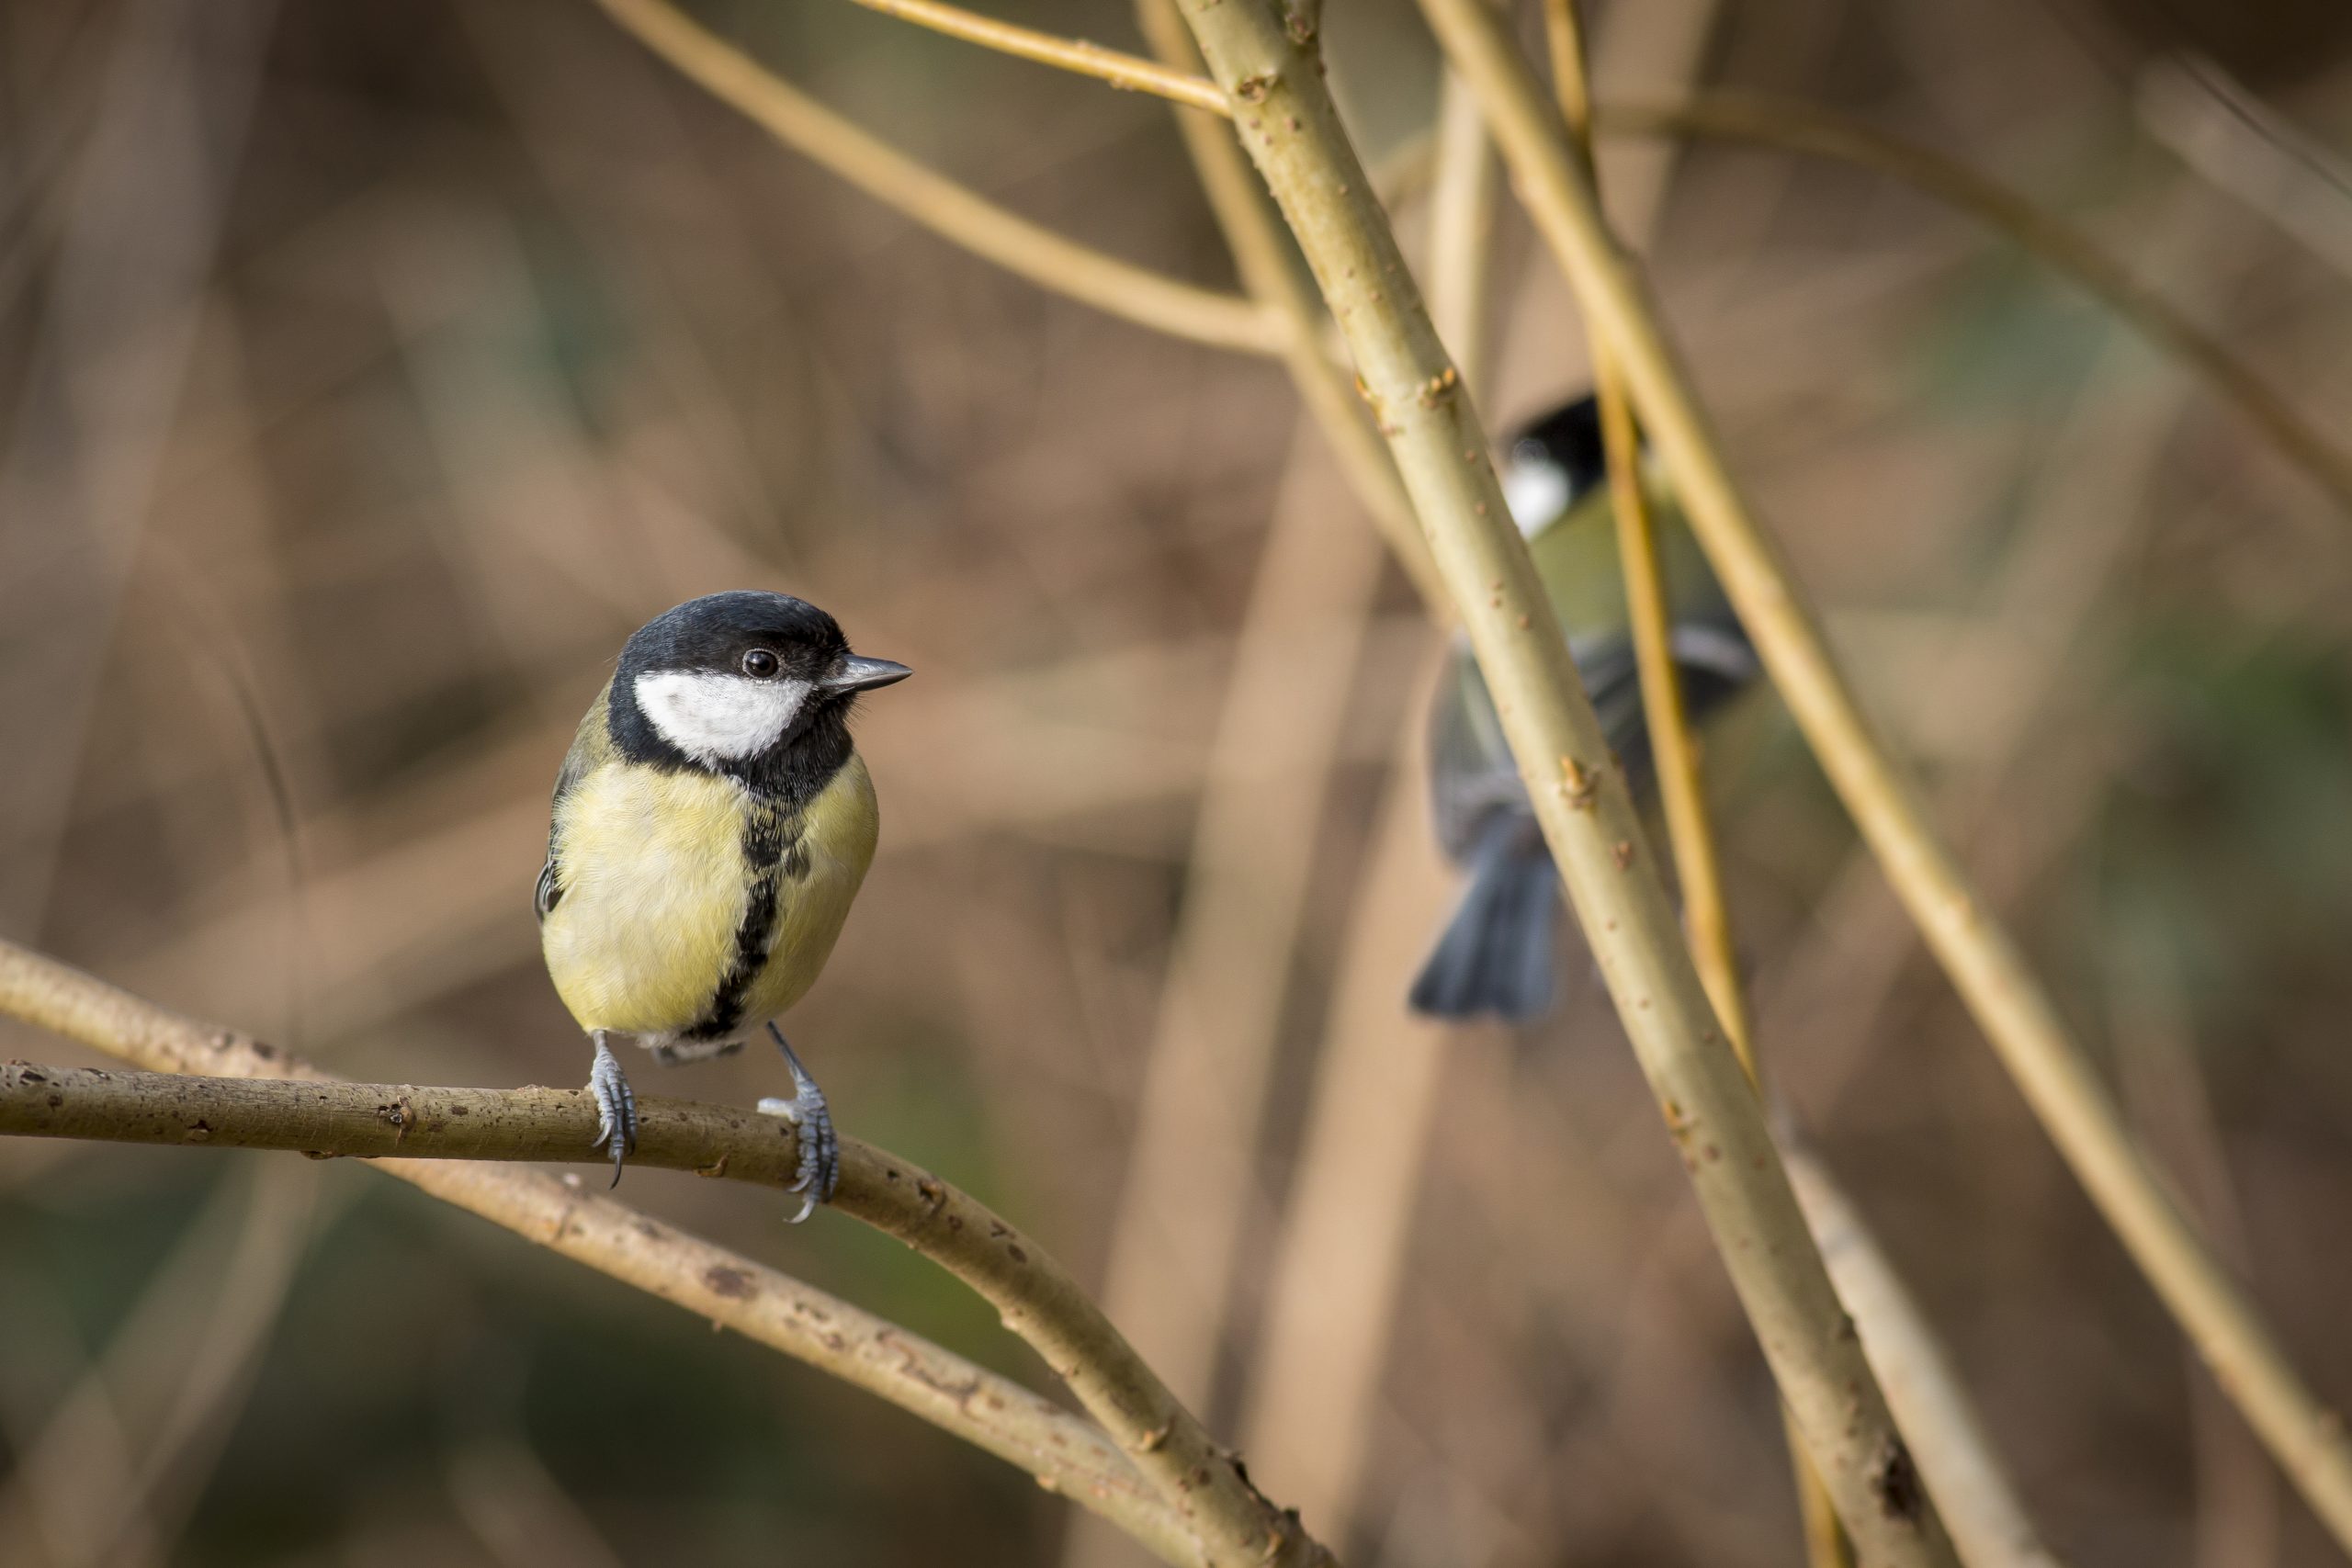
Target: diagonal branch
[[1190, 1183], [1205, 1511], [1268, 268], [1821, 133], [1809, 130], [1051, 261], [1285, 118], [2010, 1004], [1127, 71]]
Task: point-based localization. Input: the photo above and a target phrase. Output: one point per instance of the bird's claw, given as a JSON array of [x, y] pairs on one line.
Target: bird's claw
[[615, 1107], [820, 1146]]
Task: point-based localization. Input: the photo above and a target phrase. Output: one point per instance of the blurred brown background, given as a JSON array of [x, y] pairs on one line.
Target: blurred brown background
[[371, 370]]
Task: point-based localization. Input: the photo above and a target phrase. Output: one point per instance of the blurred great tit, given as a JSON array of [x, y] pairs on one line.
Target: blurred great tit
[[712, 823], [1497, 953]]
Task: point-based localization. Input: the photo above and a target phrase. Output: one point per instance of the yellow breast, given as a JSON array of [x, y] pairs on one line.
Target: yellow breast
[[655, 885]]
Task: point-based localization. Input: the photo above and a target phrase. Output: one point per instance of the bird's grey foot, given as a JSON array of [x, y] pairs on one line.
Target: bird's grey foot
[[615, 1105], [820, 1147]]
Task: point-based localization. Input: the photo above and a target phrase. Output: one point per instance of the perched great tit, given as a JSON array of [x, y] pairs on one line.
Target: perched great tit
[[712, 822], [1498, 952]]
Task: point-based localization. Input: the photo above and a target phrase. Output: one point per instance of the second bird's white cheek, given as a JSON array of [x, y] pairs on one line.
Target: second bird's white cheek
[[718, 718], [1536, 490]]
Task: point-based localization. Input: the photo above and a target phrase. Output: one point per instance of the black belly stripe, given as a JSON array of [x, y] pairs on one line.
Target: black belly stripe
[[772, 852]]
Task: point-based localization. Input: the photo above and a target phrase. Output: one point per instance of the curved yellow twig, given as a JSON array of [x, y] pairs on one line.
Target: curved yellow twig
[[947, 207]]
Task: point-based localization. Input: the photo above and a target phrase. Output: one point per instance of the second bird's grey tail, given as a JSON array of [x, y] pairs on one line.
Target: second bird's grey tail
[[1498, 955]]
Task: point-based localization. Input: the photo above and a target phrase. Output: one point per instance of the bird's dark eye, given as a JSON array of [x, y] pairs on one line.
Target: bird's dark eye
[[759, 664]]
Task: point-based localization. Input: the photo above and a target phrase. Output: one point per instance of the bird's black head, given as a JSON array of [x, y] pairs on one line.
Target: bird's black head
[[754, 685]]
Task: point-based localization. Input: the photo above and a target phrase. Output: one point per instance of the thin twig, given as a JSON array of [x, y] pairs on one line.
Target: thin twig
[[2097, 498], [1462, 232], [1286, 120], [87, 1490], [1691, 829], [518, 1511], [1571, 76], [1980, 1502], [2156, 1055], [1798, 128], [1815, 132], [2249, 151], [1690, 824], [1128, 70], [1312, 1414], [2008, 1002], [1065, 1454], [1270, 270], [1191, 1181], [956, 211]]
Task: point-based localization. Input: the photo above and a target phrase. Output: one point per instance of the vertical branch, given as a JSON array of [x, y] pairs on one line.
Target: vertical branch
[[1312, 1398], [2235, 1496], [1461, 226], [1313, 1406], [1286, 120], [2009, 1003], [1690, 828], [1191, 1186]]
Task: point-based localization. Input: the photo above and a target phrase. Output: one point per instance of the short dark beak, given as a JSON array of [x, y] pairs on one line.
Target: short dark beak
[[856, 674]]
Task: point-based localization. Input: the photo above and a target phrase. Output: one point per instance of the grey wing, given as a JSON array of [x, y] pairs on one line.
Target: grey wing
[[1715, 662], [1613, 681], [1472, 774]]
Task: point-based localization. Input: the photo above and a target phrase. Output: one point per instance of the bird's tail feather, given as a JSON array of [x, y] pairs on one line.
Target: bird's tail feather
[[1496, 954]]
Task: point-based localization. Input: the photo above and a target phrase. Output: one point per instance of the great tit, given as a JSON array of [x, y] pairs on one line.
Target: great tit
[[1497, 952], [712, 823]]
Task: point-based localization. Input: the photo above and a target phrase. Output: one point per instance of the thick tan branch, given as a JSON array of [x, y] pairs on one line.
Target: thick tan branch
[[1206, 1511], [2008, 1001], [1070, 54], [329, 1119], [1285, 118], [1046, 258], [1064, 1453]]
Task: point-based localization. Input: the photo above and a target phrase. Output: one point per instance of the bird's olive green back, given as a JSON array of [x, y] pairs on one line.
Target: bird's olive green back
[[1579, 561], [592, 744], [1578, 558]]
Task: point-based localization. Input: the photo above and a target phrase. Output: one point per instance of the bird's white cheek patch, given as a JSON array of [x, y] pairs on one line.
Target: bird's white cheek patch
[[718, 718], [1536, 492]]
